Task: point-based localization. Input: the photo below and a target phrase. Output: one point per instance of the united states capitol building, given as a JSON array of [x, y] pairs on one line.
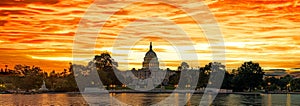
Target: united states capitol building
[[150, 75]]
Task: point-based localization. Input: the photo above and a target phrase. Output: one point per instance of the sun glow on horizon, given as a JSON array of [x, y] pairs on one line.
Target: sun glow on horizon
[[68, 59]]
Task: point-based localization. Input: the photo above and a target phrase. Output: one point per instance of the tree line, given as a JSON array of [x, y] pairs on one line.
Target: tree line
[[248, 77]]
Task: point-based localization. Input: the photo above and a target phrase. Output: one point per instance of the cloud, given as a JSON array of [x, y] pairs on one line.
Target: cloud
[[24, 2], [266, 32], [2, 22]]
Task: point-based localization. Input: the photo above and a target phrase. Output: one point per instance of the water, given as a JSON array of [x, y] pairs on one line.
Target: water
[[142, 99]]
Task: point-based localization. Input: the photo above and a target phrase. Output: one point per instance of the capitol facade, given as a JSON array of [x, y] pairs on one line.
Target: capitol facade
[[150, 75]]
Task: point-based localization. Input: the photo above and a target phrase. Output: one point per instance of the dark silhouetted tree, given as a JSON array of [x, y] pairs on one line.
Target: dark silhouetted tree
[[250, 75]]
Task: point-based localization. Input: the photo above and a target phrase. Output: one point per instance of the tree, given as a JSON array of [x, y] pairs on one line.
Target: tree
[[29, 78], [203, 77], [272, 83], [184, 65], [285, 81], [295, 84], [250, 75], [106, 67], [211, 74], [227, 82], [174, 79], [104, 61], [6, 67], [205, 73]]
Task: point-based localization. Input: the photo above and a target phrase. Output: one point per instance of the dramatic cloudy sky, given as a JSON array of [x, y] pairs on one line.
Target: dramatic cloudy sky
[[41, 32]]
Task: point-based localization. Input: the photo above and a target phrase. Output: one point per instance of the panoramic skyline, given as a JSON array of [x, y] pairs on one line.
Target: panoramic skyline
[[41, 33]]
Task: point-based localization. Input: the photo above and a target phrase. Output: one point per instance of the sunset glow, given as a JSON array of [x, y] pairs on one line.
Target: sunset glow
[[41, 32]]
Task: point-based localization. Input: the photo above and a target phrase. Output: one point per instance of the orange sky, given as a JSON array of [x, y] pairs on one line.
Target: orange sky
[[41, 32]]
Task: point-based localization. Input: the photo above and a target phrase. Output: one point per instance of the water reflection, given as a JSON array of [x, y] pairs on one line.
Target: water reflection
[[232, 99], [281, 99], [40, 99], [176, 98], [142, 99], [188, 97], [269, 99], [288, 100]]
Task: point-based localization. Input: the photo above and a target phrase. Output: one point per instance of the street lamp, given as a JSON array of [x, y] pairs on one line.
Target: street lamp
[[114, 87], [176, 86], [269, 86], [188, 86], [288, 87], [2, 86], [110, 86]]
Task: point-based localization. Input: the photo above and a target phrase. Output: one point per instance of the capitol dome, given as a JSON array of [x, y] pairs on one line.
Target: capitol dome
[[150, 59], [150, 53]]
